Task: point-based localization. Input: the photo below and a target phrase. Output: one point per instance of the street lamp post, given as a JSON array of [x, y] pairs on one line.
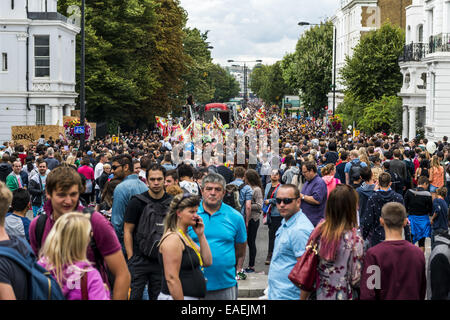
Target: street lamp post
[[82, 89], [334, 58], [244, 105]]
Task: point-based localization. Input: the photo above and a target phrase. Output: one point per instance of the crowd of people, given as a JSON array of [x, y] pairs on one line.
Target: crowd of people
[[126, 221]]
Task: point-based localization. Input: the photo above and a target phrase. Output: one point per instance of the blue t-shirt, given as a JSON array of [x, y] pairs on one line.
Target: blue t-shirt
[[223, 230], [17, 226], [440, 208], [354, 161], [290, 242]]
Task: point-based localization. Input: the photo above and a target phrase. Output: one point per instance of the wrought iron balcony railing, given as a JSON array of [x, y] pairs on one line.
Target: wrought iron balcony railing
[[414, 52], [439, 43], [417, 51]]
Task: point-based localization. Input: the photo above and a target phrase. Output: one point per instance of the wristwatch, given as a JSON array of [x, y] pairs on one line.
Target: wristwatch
[[303, 197]]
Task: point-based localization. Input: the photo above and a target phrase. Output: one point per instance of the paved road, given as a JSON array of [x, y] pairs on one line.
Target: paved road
[[262, 244]]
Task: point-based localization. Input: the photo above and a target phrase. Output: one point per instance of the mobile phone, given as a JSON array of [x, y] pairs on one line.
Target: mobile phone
[[196, 222]]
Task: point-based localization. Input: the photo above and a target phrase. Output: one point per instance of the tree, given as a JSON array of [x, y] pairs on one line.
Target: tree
[[383, 115], [373, 70], [198, 65], [308, 70], [225, 86], [268, 83], [118, 75], [168, 59]]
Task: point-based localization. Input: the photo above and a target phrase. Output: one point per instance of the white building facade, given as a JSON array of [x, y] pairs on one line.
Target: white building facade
[[353, 18], [425, 65], [37, 74]]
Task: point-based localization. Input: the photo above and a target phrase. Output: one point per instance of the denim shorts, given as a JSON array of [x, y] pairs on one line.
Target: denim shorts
[[433, 188]]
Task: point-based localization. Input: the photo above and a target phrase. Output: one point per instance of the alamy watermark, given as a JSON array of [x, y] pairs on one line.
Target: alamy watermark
[[230, 146]]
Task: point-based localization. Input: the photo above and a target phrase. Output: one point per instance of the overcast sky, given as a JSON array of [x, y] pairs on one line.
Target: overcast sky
[[255, 29]]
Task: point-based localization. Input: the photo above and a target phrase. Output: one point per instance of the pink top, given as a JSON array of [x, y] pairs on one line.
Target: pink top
[[72, 281], [87, 171], [331, 182], [104, 235]]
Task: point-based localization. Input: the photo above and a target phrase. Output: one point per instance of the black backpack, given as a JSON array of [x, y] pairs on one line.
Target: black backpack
[[355, 171], [397, 183], [151, 225], [231, 197]]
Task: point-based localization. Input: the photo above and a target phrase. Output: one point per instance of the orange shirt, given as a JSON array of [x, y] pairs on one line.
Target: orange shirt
[[438, 176]]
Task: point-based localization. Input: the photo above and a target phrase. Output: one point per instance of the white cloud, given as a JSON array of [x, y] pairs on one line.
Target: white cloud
[[254, 29]]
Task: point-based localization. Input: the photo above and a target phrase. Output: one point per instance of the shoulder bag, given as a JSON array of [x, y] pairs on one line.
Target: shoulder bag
[[267, 208], [305, 274]]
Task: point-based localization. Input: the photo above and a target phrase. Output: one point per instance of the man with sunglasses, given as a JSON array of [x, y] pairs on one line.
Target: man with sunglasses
[[122, 167], [290, 242]]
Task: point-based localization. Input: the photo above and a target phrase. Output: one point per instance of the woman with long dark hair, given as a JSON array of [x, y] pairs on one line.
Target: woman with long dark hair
[[273, 215], [340, 247], [254, 181]]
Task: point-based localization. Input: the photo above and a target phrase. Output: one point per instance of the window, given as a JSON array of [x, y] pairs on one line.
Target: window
[[433, 96], [420, 36], [42, 56], [4, 61], [40, 115]]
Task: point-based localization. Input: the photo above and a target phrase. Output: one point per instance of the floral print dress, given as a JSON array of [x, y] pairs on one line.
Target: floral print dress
[[337, 279]]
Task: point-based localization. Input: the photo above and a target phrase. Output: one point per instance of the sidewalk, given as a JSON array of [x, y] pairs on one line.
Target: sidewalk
[[253, 286]]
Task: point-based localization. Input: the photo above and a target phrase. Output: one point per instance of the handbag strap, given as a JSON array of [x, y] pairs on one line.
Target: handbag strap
[[84, 290], [273, 192]]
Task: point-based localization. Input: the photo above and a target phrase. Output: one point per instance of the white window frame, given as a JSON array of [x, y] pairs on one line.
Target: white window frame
[[41, 57], [40, 115], [4, 62]]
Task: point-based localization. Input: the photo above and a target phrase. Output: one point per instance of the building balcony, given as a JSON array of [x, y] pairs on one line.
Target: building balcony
[[414, 52], [439, 43], [418, 51], [47, 16]]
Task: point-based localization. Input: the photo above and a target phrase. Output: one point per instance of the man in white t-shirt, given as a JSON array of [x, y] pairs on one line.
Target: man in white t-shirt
[[97, 173]]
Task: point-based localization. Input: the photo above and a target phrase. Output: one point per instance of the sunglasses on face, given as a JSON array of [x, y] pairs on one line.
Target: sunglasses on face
[[115, 167], [285, 200]]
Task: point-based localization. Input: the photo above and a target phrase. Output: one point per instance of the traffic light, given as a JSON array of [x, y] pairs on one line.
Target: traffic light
[[326, 108]]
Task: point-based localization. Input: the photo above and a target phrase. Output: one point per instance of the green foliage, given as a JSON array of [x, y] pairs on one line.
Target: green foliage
[[198, 66], [373, 70], [383, 115], [267, 83], [350, 109], [118, 75], [225, 85], [309, 69]]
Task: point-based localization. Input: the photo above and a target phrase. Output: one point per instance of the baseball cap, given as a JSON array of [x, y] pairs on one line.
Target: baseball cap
[[89, 153], [2, 147]]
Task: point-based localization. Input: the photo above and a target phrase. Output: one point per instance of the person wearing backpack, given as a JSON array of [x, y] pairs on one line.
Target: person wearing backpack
[[63, 189], [353, 168], [21, 278], [245, 202], [245, 192], [64, 256], [438, 271], [143, 229], [292, 171]]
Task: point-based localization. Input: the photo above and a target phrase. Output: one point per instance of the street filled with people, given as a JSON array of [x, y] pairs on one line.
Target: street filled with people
[[140, 218]]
